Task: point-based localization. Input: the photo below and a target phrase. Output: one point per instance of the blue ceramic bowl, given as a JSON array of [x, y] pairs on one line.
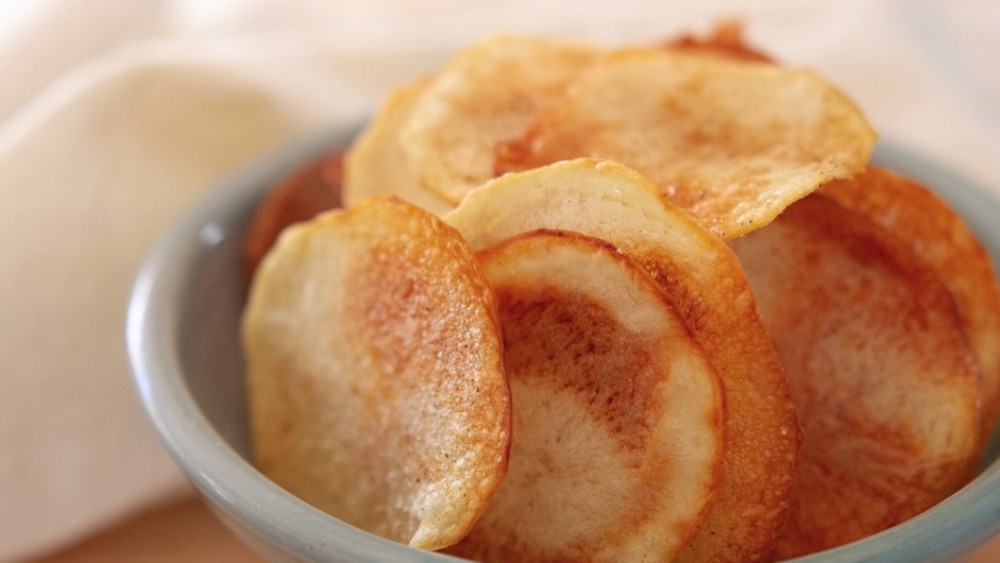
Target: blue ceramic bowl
[[183, 343]]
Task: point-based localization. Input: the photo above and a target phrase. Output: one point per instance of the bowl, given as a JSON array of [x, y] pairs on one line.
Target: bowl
[[183, 343]]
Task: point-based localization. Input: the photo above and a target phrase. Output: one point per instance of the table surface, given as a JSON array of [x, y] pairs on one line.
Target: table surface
[[187, 531]]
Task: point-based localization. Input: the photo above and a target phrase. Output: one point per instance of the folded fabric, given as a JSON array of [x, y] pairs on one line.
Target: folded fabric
[[117, 115]]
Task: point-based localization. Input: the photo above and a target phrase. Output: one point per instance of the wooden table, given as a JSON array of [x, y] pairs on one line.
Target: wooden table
[[187, 531]]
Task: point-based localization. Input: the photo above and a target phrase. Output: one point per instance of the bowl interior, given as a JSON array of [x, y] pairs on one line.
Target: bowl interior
[[184, 343]]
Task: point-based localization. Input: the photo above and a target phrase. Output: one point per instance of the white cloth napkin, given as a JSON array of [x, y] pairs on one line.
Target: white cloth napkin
[[115, 115]]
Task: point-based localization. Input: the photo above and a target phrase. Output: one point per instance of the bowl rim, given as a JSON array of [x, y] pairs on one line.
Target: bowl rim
[[958, 524]]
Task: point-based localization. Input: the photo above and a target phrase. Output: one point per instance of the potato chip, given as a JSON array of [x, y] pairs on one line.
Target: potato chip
[[725, 40], [300, 197], [375, 163], [375, 373], [706, 284], [487, 95], [733, 142], [618, 416], [942, 239], [884, 383]]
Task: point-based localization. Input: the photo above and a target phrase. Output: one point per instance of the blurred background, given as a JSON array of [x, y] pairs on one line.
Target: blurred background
[[115, 115]]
